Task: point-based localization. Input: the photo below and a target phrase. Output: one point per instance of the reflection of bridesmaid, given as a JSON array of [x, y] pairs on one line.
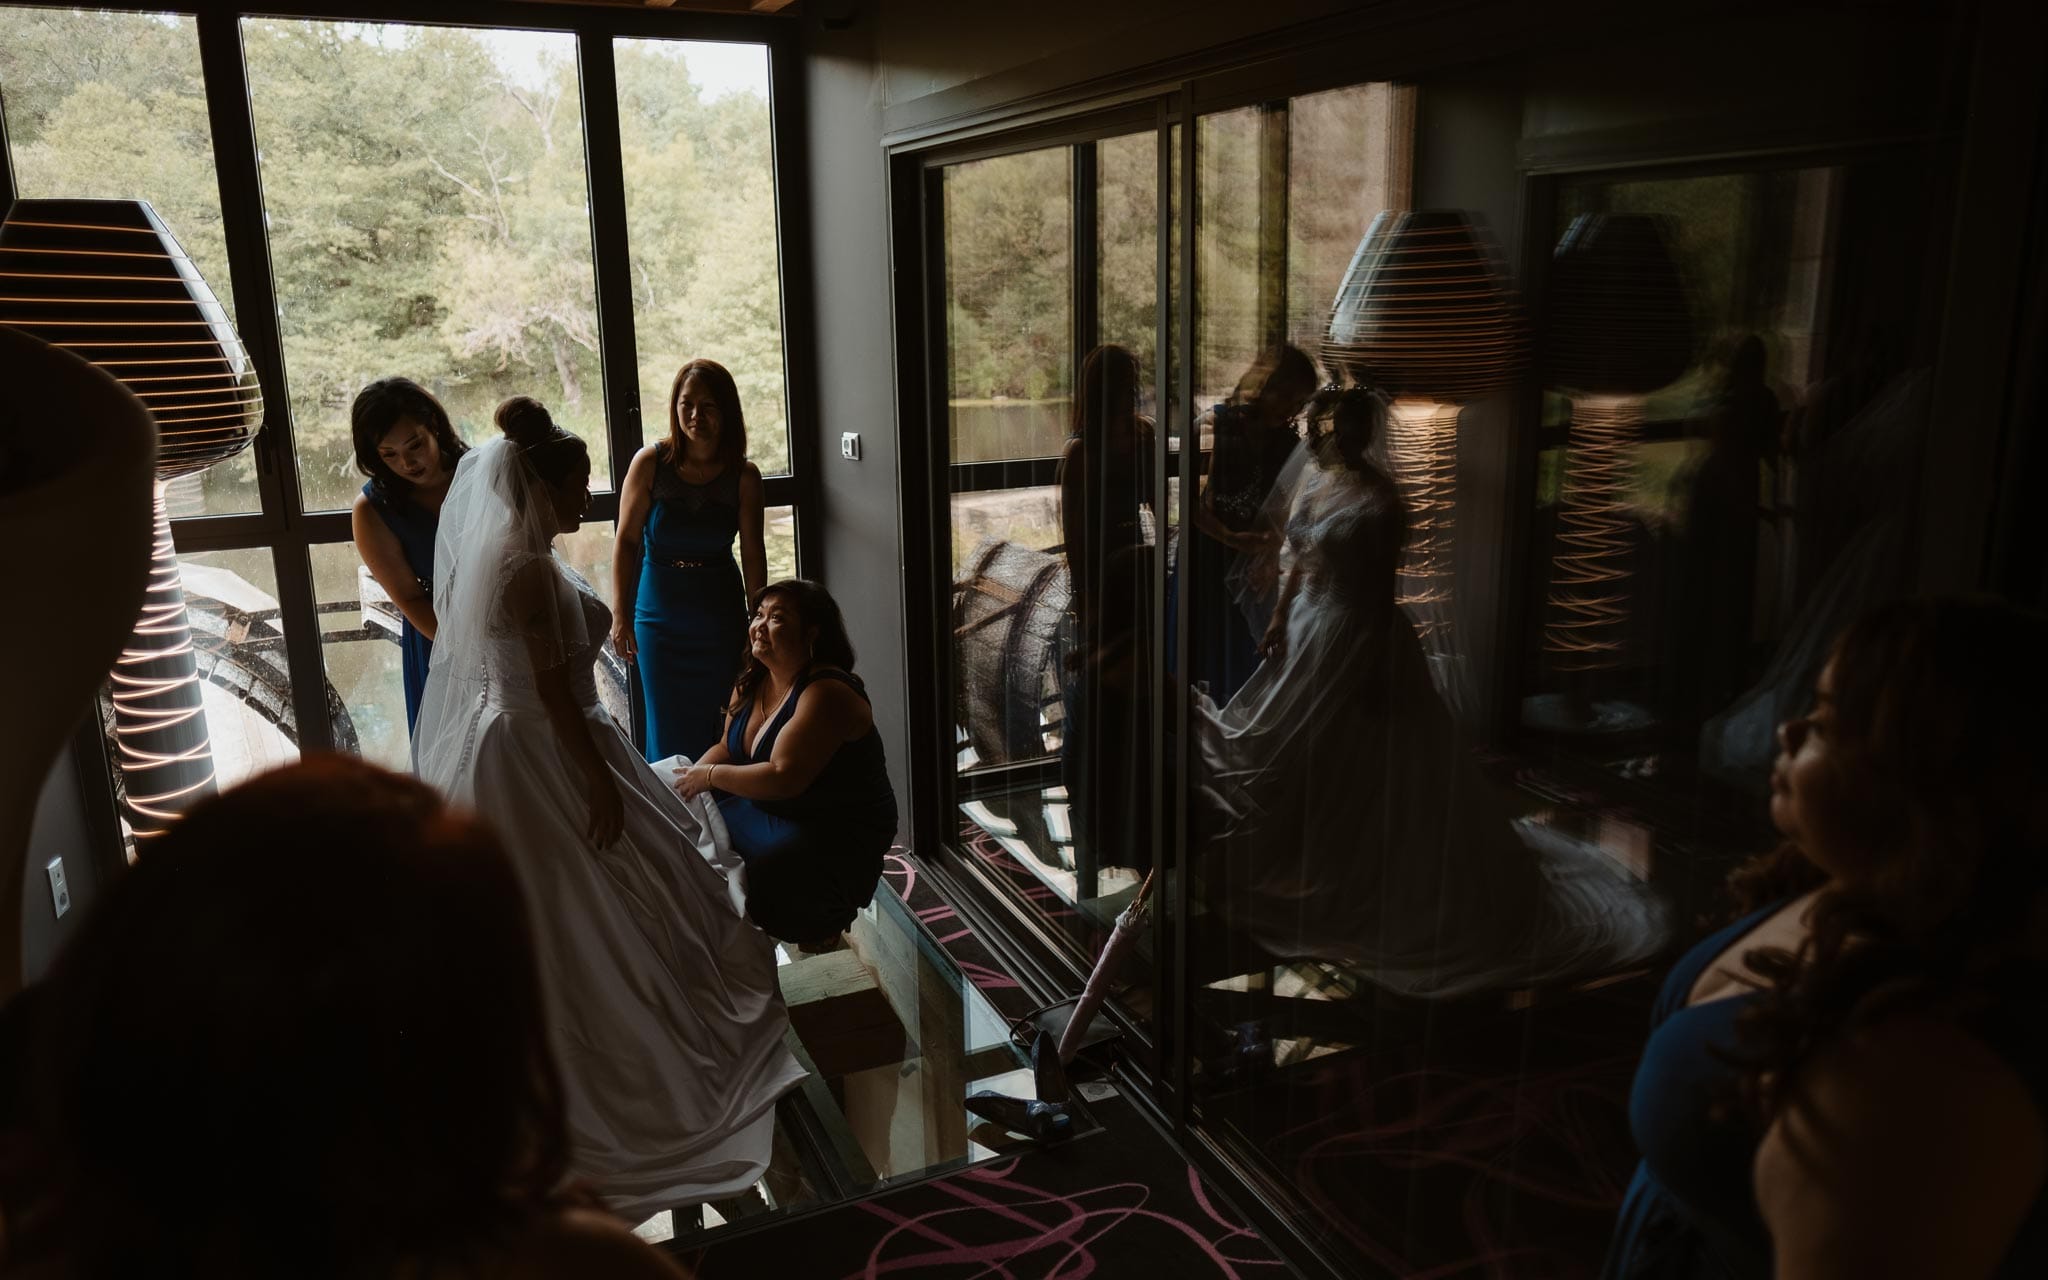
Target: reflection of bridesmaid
[[407, 447], [1106, 489], [689, 495], [1254, 436]]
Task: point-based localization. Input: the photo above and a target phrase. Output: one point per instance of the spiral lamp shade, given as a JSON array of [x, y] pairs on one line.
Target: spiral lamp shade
[[1425, 315], [1620, 327], [106, 280], [1619, 321], [1424, 311]]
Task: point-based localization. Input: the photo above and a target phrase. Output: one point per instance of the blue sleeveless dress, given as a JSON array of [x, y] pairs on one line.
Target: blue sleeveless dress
[[690, 613], [812, 861], [1691, 1211], [1245, 464], [414, 527]]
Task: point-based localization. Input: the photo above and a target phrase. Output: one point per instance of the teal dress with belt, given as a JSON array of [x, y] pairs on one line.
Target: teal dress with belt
[[690, 614]]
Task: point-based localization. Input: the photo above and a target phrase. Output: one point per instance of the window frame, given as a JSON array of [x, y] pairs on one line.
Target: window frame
[[284, 526]]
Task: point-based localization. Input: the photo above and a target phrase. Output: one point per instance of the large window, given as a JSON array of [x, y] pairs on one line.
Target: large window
[[423, 201], [1067, 557], [1052, 391], [425, 195], [700, 210]]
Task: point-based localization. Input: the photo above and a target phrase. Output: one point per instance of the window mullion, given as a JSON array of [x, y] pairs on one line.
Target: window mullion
[[610, 248], [1087, 277], [796, 285], [248, 248]]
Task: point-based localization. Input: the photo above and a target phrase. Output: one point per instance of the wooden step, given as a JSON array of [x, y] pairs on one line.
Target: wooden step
[[838, 1009]]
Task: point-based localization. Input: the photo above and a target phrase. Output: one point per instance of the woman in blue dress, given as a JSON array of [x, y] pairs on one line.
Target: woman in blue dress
[[1851, 1080], [407, 447], [684, 500], [800, 776], [1253, 438]]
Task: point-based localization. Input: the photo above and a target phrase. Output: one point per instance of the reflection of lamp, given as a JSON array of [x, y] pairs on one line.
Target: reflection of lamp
[[1424, 314], [106, 280], [1619, 328]]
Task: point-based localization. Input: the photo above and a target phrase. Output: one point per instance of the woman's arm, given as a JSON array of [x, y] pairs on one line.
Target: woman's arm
[[753, 534], [386, 561], [716, 754], [636, 497], [828, 716], [1912, 1151], [1273, 645], [532, 602]]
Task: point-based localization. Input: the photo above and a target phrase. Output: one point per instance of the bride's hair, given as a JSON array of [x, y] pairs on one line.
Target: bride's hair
[[554, 454], [1345, 423], [307, 1029], [815, 607]]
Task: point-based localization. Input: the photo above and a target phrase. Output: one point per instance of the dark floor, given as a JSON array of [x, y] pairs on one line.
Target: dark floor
[[1116, 1201], [1451, 1139]]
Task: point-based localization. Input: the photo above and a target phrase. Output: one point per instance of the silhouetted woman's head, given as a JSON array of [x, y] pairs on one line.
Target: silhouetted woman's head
[[1347, 422], [1109, 391], [1921, 764], [1914, 794], [704, 406], [1278, 383], [402, 436], [557, 458], [304, 1036], [795, 625]]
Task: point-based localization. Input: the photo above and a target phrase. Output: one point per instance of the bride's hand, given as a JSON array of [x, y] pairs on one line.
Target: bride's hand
[[694, 781], [1273, 645], [622, 640], [607, 810]]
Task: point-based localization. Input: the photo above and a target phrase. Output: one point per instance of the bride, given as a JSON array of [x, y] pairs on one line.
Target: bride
[[663, 1004], [1344, 817]]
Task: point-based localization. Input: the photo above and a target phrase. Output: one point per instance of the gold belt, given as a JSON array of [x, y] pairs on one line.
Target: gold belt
[[685, 564]]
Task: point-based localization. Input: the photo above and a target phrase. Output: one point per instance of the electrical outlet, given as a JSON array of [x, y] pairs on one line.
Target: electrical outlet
[[60, 893], [849, 445]]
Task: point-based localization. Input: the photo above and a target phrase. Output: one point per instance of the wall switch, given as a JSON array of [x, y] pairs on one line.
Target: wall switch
[[849, 445], [60, 893]]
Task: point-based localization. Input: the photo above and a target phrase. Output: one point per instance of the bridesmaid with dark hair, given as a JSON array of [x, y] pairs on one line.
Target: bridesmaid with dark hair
[[1253, 437], [684, 500], [800, 776], [1107, 494], [407, 447]]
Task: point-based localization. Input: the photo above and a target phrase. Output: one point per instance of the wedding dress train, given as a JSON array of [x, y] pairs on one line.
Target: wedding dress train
[[663, 1003]]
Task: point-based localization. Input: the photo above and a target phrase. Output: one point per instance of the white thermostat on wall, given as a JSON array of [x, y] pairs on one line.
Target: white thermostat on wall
[[849, 445], [60, 893]]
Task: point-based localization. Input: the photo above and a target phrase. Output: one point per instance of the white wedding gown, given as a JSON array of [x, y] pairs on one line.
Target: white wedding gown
[[1347, 818], [664, 1009]]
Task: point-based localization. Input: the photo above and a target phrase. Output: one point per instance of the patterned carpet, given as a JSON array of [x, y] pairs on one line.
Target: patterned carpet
[[1476, 1140], [1119, 1202]]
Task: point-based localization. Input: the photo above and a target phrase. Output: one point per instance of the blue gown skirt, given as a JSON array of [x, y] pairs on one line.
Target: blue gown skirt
[[690, 626], [418, 651]]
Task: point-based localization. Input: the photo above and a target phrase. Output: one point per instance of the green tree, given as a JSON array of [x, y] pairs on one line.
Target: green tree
[[428, 211]]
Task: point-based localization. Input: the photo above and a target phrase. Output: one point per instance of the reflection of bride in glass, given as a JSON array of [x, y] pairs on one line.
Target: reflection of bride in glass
[[663, 1005], [1344, 817]]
